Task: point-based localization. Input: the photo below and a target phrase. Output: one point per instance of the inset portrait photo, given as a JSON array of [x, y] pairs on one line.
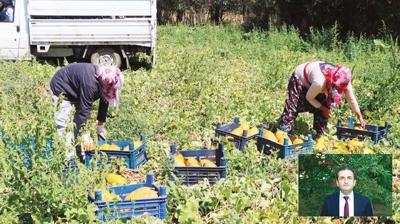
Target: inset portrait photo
[[345, 185]]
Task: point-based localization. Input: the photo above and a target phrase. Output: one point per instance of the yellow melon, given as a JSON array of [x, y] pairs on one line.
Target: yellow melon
[[244, 126], [280, 135], [106, 147], [191, 162], [354, 143], [207, 163], [115, 179], [320, 144], [269, 135], [298, 141], [110, 196], [137, 144], [282, 140], [368, 151], [238, 131], [358, 127], [341, 147], [253, 131], [179, 160], [141, 193]]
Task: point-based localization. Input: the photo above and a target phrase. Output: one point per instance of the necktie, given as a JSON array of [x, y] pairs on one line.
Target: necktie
[[346, 207]]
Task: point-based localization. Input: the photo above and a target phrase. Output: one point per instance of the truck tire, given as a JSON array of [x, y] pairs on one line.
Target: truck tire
[[106, 56]]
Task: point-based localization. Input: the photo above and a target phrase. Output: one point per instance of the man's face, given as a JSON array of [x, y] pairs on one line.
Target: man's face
[[345, 181]]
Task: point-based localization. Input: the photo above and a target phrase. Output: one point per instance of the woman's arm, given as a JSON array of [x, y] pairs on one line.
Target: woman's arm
[[102, 112], [101, 118], [351, 99], [317, 80], [313, 92]]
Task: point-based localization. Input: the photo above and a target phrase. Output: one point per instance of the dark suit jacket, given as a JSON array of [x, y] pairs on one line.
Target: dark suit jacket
[[362, 205]]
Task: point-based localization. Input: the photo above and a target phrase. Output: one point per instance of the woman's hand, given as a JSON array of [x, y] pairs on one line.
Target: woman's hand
[[101, 130], [361, 119], [325, 111]]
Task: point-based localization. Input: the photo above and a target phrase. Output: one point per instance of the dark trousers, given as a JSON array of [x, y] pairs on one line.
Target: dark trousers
[[296, 103]]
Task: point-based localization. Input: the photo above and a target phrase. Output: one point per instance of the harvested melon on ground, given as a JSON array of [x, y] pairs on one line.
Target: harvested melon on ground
[[355, 146], [191, 162], [368, 151], [141, 193], [354, 143], [207, 163], [320, 145], [179, 160], [341, 147], [115, 179]]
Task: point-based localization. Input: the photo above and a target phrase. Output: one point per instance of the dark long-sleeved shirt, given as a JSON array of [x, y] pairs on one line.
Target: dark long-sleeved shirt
[[79, 85]]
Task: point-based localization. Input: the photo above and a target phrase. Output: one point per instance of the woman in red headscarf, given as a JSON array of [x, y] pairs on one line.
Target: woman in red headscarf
[[316, 87]]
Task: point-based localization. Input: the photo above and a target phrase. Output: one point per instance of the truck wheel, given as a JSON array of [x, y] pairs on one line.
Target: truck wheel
[[106, 56]]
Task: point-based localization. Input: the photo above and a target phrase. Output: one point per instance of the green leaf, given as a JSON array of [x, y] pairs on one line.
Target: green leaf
[[189, 212]]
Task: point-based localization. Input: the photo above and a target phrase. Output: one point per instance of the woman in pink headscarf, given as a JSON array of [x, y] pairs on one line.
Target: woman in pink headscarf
[[81, 84], [316, 87]]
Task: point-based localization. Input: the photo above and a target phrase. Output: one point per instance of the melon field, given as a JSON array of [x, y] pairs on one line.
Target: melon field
[[204, 75]]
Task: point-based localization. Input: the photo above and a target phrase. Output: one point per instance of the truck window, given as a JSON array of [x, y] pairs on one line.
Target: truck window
[[7, 10]]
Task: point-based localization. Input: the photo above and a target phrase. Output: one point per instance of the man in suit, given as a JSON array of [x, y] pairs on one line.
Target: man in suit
[[346, 203]]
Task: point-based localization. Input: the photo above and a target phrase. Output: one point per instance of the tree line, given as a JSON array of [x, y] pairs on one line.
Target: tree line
[[367, 17]]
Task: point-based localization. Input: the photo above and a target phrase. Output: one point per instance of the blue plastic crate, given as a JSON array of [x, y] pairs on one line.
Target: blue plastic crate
[[375, 132], [106, 211], [226, 129], [192, 175], [134, 158], [285, 151]]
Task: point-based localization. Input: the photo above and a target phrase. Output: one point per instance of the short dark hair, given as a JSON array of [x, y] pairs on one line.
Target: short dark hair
[[346, 167]]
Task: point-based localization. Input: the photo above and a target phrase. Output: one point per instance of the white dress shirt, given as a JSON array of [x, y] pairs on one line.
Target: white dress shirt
[[342, 202]]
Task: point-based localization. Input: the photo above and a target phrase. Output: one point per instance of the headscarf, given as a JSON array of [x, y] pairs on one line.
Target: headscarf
[[111, 80], [337, 79]]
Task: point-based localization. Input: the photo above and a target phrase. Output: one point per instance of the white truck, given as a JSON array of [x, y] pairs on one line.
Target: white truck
[[102, 31]]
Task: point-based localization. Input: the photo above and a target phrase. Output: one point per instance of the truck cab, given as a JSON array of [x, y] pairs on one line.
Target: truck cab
[[14, 35]]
